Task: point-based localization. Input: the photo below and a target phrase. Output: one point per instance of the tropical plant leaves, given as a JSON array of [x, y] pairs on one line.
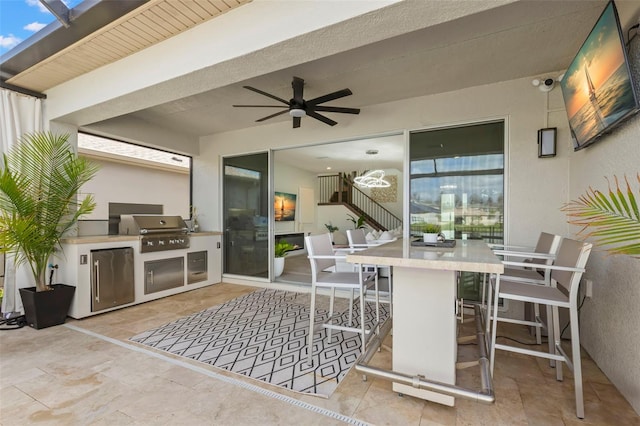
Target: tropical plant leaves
[[612, 219], [282, 247], [39, 183], [357, 222]]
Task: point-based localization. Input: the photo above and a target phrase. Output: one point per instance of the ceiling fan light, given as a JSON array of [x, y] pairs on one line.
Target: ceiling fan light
[[297, 112]]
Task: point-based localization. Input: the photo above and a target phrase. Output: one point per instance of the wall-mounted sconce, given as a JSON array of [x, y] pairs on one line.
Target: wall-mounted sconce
[[547, 142]]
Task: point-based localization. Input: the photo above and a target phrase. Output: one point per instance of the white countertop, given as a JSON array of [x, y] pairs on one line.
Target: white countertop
[[92, 239], [467, 255]]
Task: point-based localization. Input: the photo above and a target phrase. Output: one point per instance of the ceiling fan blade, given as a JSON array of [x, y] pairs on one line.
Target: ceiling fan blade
[[269, 95], [336, 109], [298, 85], [272, 115], [322, 118], [296, 122], [329, 97], [261, 106]]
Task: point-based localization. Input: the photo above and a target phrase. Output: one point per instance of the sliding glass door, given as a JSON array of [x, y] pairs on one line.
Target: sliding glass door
[[457, 181], [245, 215]]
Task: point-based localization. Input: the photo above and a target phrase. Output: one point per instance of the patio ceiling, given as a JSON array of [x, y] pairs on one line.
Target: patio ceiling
[[502, 40]]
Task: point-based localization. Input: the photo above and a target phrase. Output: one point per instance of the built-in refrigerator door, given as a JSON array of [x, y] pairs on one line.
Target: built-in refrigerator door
[[112, 279]]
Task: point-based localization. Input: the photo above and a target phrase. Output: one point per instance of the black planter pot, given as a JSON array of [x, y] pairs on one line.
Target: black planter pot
[[44, 309]]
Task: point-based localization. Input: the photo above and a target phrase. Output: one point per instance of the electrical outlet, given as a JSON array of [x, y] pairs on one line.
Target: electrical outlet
[[589, 288]]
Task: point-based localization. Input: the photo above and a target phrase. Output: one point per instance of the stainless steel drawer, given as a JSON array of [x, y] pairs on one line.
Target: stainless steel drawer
[[163, 274], [197, 267]]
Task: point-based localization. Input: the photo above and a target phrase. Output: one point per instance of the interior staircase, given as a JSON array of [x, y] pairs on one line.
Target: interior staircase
[[340, 190]]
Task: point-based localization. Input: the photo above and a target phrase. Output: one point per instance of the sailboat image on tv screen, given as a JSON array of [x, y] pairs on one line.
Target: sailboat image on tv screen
[[597, 87], [593, 97]]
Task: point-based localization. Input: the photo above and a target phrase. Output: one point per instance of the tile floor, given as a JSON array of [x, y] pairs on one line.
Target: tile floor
[[86, 373]]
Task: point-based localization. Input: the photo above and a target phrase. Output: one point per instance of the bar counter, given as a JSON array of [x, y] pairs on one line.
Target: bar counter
[[467, 255], [424, 306]]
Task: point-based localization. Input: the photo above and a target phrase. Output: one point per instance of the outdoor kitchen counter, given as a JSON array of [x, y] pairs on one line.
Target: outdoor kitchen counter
[[424, 306], [92, 239], [76, 268]]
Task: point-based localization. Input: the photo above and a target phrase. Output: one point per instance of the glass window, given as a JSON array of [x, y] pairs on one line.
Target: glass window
[[457, 181]]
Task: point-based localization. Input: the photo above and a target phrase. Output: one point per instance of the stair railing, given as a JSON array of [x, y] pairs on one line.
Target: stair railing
[[339, 189]]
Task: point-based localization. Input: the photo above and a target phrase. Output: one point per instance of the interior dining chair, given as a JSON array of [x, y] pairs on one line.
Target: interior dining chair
[[323, 275], [566, 273], [358, 241], [542, 254]]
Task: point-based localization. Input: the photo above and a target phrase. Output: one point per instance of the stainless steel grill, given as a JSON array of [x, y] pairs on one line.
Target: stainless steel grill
[[159, 232]]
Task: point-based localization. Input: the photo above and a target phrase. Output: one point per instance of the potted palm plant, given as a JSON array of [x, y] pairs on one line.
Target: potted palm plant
[[612, 219], [39, 184], [280, 250]]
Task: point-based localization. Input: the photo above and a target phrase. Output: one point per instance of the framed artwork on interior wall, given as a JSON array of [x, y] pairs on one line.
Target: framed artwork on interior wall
[[284, 206]]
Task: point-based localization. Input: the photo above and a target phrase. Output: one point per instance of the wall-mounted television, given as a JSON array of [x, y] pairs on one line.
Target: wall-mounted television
[[597, 87], [284, 206]]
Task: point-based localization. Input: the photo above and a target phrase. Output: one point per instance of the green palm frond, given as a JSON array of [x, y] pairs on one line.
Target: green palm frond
[[39, 183], [612, 219]]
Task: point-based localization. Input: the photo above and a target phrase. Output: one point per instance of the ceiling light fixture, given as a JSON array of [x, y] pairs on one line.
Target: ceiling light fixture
[[372, 179], [297, 112]]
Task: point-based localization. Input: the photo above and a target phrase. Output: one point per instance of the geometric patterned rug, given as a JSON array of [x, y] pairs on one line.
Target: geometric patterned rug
[[263, 335]]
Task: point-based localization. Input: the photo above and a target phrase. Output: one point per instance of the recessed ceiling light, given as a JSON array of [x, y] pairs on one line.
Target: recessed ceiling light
[[372, 151], [328, 167]]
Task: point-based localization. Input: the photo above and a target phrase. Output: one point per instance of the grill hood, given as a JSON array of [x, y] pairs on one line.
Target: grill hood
[[151, 224]]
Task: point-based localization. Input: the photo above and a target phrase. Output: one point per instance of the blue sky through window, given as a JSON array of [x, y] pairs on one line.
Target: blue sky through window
[[20, 19]]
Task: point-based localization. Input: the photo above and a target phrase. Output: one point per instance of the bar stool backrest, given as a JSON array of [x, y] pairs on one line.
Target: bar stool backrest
[[573, 254], [319, 245]]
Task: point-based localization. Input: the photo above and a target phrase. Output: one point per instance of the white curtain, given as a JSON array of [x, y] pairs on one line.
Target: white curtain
[[19, 114]]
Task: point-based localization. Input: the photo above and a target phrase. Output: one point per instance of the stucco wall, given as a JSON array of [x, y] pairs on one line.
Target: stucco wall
[[610, 319]]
